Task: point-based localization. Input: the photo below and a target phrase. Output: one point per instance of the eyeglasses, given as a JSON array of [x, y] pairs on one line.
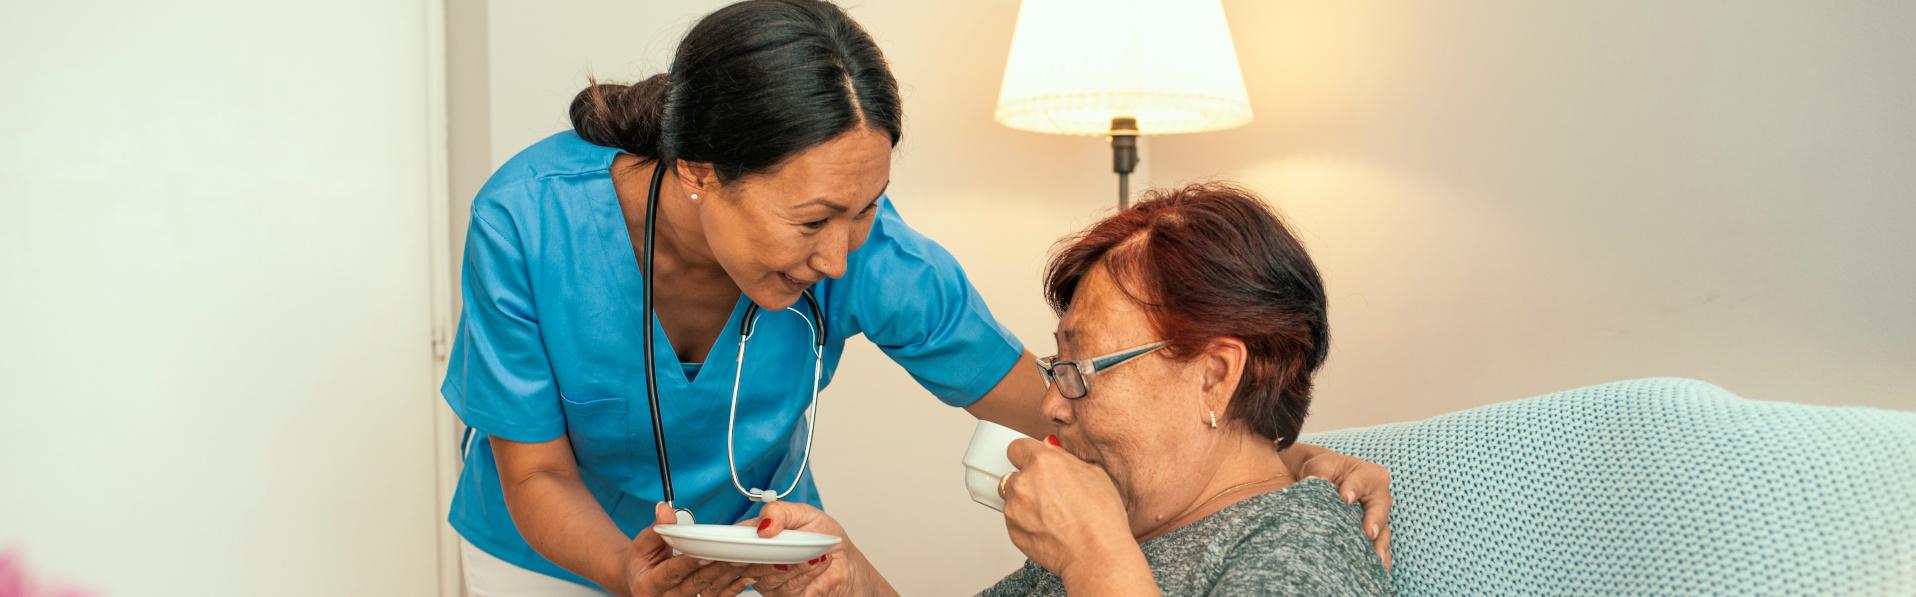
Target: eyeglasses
[[1073, 377]]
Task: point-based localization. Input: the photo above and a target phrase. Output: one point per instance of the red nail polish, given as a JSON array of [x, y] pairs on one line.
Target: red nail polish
[[1053, 440], [811, 561], [764, 524], [781, 566]]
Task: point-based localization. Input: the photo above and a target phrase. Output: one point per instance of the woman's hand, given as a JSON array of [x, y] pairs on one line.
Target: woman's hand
[[1357, 481], [1067, 516], [841, 571], [651, 569], [815, 577]]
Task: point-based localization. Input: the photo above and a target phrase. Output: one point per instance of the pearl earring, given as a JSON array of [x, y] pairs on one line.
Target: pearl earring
[[1213, 419], [695, 196]]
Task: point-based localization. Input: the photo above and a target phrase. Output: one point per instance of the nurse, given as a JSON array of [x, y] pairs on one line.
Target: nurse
[[775, 127]]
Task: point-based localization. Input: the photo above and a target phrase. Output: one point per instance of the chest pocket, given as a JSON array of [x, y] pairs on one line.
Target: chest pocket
[[599, 428]]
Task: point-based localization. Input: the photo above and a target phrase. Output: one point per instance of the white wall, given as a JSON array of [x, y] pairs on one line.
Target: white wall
[[1506, 198], [1513, 198], [214, 336]]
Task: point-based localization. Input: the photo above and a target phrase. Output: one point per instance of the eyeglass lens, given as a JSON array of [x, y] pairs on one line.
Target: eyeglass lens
[[1070, 382]]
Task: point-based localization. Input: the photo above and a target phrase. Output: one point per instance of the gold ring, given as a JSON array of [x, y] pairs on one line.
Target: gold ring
[[1003, 491]]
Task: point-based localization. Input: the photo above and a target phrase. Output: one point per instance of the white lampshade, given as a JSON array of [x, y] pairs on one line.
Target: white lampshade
[[1076, 64]]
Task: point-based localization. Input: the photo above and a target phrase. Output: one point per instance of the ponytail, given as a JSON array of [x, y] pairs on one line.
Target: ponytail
[[628, 117]]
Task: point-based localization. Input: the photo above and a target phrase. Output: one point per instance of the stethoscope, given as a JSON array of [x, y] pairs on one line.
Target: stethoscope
[[746, 325]]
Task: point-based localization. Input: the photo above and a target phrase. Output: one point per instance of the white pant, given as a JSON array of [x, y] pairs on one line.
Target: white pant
[[487, 576]]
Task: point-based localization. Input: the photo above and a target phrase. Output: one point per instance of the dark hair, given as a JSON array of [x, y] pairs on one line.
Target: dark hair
[[751, 85], [1212, 262]]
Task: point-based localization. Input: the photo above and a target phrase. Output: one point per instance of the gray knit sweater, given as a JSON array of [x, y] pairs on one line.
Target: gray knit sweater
[[1299, 540]]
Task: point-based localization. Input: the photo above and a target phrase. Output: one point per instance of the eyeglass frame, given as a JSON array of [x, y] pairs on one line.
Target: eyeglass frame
[[1087, 369]]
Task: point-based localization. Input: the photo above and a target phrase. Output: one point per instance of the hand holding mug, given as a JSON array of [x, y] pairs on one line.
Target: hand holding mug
[[1062, 512]]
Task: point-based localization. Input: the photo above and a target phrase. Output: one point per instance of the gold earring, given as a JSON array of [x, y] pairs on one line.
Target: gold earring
[[1213, 419]]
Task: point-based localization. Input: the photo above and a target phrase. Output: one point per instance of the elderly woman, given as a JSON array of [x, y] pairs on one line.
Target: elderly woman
[[1190, 326]]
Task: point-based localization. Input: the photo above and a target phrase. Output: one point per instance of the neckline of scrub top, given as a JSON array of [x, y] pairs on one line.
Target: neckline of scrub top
[[724, 347]]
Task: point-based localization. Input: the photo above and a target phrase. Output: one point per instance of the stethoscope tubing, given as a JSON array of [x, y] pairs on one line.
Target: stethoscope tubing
[[811, 411], [651, 373]]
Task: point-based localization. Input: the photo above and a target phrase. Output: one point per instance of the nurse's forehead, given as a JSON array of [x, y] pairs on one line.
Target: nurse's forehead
[[836, 207]]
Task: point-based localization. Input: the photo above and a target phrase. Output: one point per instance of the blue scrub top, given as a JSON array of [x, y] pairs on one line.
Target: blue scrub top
[[550, 338]]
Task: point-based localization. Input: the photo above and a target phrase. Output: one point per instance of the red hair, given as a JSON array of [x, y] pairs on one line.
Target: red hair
[[1210, 261]]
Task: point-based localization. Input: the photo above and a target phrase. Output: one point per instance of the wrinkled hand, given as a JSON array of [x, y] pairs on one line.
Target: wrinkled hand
[[828, 574], [1357, 481], [1062, 512], [651, 569]]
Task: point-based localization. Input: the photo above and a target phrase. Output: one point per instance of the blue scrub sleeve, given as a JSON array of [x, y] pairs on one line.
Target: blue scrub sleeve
[[498, 378], [913, 300]]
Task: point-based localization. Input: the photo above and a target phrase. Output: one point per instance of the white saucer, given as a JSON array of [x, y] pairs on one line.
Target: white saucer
[[731, 543]]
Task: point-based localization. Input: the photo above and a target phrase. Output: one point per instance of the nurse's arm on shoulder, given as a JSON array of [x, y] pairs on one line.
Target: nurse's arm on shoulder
[[1016, 403], [559, 518]]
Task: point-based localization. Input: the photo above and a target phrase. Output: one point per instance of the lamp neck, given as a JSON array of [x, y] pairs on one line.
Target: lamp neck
[[1124, 155]]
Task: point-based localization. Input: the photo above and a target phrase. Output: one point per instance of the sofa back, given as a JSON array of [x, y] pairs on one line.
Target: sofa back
[[1648, 487]]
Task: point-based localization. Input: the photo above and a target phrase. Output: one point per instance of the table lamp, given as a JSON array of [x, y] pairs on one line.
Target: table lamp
[[1122, 68]]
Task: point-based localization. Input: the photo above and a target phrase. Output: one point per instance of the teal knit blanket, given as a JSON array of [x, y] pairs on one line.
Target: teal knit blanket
[[1649, 487]]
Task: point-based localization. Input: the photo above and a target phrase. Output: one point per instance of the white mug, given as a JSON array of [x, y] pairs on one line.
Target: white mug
[[986, 462]]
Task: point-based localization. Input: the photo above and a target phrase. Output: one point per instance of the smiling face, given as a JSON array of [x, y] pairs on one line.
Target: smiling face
[[779, 232], [1141, 421]]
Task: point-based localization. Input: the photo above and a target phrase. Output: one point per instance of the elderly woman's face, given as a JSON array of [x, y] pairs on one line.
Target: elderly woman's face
[[1138, 420]]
